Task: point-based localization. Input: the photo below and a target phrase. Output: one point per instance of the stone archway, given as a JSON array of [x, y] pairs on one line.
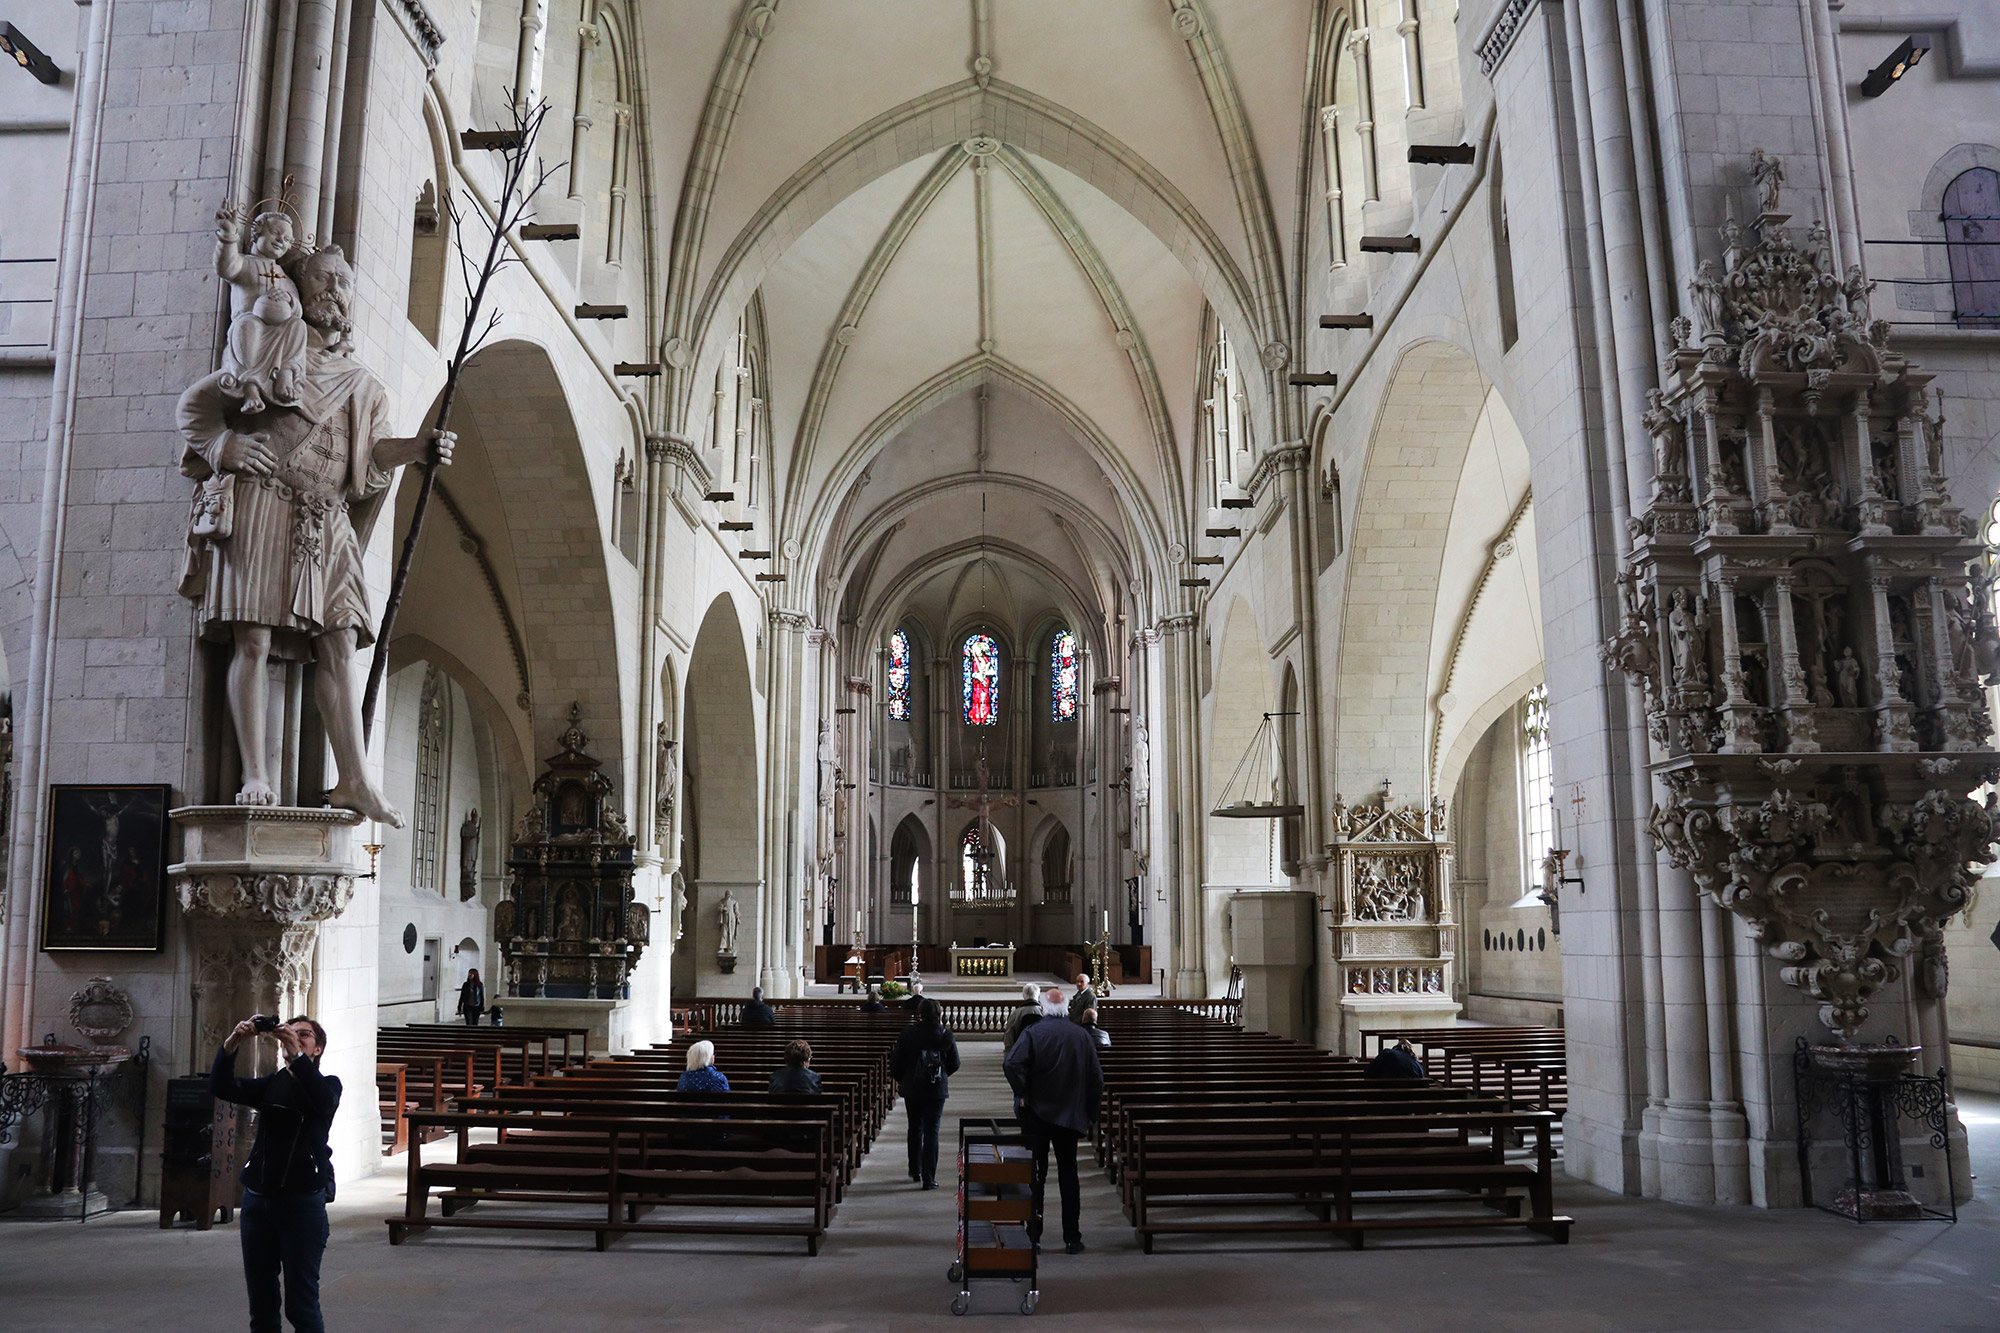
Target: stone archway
[[1238, 854], [1415, 460], [722, 804]]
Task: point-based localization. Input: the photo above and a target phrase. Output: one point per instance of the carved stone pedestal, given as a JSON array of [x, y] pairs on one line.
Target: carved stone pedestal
[[257, 883]]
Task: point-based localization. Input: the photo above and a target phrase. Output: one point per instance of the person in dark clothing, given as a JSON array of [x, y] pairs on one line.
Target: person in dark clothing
[[472, 998], [1397, 1061], [1057, 1086], [1083, 997], [288, 1179], [757, 1014], [923, 1061], [1029, 1014], [873, 1004], [793, 1075], [1097, 1034]]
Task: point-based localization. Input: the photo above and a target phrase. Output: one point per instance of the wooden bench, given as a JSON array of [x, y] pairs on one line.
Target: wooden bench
[[1327, 1166], [619, 1168]]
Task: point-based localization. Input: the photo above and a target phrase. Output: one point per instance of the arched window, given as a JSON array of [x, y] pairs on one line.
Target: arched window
[[899, 676], [981, 658], [975, 863], [1062, 676], [1972, 242], [1537, 784]]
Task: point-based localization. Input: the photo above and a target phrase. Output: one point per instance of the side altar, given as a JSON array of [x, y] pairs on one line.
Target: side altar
[[1391, 917], [569, 931]]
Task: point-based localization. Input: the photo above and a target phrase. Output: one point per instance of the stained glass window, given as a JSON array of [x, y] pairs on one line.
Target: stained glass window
[[1537, 783], [982, 681], [1062, 676], [974, 864], [899, 676]]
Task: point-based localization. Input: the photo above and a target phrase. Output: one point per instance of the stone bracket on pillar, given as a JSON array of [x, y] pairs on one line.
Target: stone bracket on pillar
[[256, 883]]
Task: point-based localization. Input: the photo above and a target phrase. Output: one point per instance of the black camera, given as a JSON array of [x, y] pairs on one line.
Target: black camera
[[264, 1022]]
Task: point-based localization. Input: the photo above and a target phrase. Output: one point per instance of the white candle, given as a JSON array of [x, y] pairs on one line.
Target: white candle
[[857, 921], [1107, 921]]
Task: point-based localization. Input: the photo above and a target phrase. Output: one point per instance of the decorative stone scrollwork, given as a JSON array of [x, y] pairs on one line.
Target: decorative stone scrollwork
[[100, 1011], [289, 900], [1801, 585]]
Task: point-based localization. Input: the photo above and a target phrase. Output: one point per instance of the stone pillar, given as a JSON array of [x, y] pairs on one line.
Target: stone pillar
[[1175, 793]]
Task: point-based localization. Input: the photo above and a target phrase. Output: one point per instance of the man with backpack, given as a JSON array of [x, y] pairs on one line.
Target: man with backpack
[[925, 1058]]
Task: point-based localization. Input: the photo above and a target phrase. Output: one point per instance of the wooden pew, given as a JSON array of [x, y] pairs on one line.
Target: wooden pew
[[618, 1168]]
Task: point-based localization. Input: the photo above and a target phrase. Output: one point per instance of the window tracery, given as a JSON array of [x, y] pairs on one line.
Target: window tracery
[[1063, 676], [981, 680], [899, 676]]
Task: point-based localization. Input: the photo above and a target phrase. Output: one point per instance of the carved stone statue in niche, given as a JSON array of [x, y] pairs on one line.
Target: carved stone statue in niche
[[1142, 766], [1688, 643], [638, 923], [729, 920], [569, 916], [503, 919], [665, 777], [468, 857], [1768, 173], [826, 763], [680, 906], [285, 500]]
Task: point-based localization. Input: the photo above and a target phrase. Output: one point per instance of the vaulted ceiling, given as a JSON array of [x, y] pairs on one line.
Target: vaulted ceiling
[[982, 235]]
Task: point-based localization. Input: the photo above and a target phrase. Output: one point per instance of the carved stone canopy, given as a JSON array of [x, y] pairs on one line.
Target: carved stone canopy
[[1807, 617]]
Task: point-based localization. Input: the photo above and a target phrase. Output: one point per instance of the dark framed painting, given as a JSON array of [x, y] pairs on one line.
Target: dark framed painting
[[105, 885]]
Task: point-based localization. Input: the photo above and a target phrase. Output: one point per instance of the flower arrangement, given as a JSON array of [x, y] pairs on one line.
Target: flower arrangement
[[895, 990]]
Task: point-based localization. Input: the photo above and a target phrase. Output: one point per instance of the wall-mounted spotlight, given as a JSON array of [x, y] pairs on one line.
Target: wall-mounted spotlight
[[27, 55], [1900, 62]]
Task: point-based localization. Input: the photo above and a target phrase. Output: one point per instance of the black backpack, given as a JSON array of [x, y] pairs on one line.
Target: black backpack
[[930, 1069]]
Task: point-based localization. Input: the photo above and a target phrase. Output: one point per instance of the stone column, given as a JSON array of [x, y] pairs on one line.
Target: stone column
[[1176, 793], [788, 798]]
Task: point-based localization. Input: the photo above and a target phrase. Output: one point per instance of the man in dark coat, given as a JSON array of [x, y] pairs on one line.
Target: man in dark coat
[[1057, 1086], [289, 1176], [757, 1014]]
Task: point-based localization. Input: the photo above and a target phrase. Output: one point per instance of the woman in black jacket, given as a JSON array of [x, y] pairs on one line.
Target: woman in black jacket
[[925, 1058], [472, 998]]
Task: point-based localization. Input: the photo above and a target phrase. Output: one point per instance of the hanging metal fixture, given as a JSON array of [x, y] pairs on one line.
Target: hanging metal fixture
[[1255, 790]]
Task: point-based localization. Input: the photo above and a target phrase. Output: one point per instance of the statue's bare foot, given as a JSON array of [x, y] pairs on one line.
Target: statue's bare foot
[[362, 798], [256, 792]]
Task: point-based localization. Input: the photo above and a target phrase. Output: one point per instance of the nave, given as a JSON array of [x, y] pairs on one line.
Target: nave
[[1631, 1264]]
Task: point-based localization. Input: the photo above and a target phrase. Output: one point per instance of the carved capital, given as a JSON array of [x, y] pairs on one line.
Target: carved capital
[[288, 900]]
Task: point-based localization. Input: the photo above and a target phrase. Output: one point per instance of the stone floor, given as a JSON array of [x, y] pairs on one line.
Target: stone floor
[[1630, 1265]]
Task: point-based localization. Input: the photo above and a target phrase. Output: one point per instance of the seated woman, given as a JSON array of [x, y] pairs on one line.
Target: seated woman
[[702, 1075], [793, 1075]]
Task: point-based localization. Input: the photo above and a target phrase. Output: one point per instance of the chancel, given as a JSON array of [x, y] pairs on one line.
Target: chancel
[[1422, 573]]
